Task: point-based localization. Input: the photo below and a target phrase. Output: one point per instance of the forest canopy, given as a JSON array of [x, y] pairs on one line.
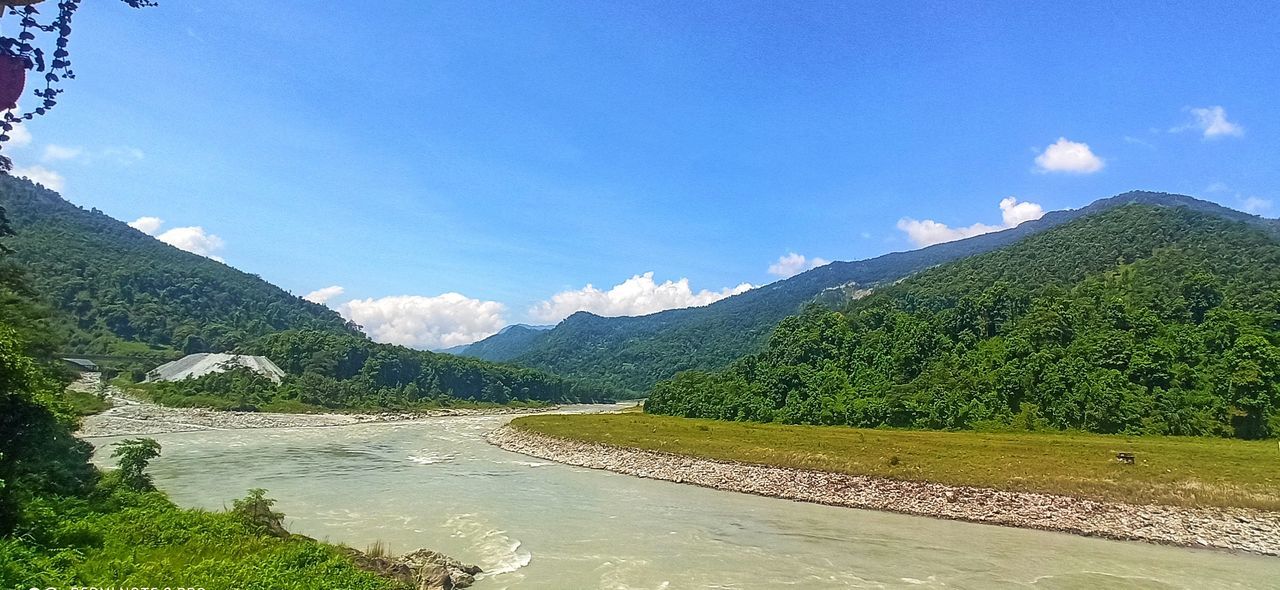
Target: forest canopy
[[116, 290], [344, 371], [1140, 320]]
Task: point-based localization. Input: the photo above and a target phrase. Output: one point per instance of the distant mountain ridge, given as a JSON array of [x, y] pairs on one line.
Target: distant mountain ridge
[[635, 352], [509, 341]]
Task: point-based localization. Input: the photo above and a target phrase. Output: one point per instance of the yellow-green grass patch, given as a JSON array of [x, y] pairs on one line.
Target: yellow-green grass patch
[[1181, 471]]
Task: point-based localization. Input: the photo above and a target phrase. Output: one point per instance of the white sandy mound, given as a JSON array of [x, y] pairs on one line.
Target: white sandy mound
[[203, 363]]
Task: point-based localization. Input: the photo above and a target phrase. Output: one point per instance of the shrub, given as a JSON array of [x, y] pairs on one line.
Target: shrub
[[132, 456]]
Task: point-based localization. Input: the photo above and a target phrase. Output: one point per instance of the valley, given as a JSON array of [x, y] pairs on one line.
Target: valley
[[654, 295], [1002, 388]]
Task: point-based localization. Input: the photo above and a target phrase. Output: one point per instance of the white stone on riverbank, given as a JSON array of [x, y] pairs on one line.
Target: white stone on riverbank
[[1236, 529], [132, 417]]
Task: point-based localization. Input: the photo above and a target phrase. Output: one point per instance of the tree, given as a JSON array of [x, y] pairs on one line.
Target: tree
[[1202, 294], [1254, 385], [6, 230], [40, 455], [256, 510], [132, 456]]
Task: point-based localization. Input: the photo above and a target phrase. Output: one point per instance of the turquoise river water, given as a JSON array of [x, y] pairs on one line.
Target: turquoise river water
[[532, 524]]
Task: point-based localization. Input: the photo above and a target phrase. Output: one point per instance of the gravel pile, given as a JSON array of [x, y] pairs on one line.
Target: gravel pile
[[204, 363], [1236, 529]]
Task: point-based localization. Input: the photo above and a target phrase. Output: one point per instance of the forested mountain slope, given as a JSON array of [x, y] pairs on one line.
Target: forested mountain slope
[[1139, 319], [118, 290], [636, 352], [113, 289]]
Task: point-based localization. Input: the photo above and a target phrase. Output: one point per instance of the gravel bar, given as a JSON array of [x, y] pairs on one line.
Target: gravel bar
[[1233, 529]]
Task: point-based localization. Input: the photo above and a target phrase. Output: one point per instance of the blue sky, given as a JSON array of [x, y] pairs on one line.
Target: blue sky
[[513, 153]]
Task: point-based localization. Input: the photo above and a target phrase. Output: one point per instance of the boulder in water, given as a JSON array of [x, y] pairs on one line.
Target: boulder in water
[[437, 571], [422, 569]]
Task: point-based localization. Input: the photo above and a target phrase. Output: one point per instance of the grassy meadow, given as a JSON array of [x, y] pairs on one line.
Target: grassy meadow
[[1181, 471]]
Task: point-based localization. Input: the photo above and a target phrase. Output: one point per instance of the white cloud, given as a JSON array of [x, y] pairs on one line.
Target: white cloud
[[638, 295], [19, 136], [1069, 156], [56, 153], [193, 239], [324, 294], [1256, 205], [116, 155], [432, 323], [1014, 213], [41, 175], [1139, 141], [147, 224], [1217, 187], [929, 232], [123, 155], [1211, 122], [793, 264]]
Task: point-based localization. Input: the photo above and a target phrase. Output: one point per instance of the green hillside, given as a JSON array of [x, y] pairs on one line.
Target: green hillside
[[1136, 320], [118, 290], [636, 352], [89, 283]]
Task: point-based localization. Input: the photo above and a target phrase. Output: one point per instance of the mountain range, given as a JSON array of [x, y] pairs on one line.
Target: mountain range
[[115, 290], [1137, 319], [633, 353]]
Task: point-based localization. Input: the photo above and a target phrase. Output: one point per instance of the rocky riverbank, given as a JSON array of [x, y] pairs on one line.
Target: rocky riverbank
[[134, 417], [1235, 529]]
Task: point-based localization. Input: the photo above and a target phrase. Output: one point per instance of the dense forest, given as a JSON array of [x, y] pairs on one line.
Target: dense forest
[[1141, 319], [633, 353], [344, 371], [116, 290]]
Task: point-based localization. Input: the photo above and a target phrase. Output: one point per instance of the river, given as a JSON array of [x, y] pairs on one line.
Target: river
[[531, 524]]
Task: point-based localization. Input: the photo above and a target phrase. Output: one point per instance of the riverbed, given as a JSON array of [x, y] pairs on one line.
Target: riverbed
[[535, 524]]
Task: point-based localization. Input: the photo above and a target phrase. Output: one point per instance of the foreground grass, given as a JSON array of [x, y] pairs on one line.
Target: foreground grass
[[1178, 471], [129, 539]]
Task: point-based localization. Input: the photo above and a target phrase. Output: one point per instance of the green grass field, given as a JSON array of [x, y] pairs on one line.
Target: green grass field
[[1169, 470]]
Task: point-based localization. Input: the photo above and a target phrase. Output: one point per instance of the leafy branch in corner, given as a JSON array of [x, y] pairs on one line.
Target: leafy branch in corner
[[20, 55]]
